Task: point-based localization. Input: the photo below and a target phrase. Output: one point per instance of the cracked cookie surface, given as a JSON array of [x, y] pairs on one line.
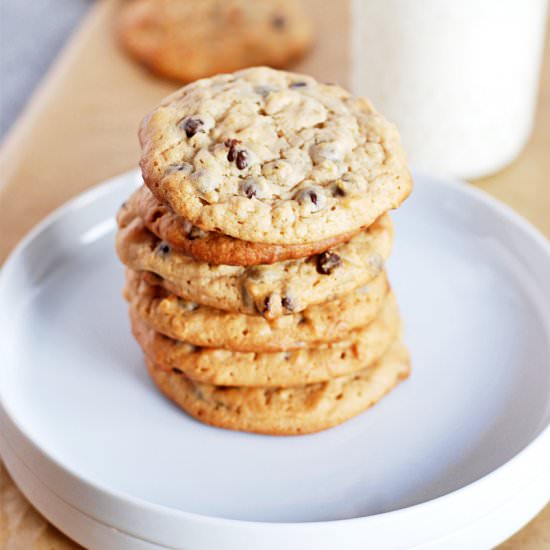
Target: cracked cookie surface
[[273, 157]]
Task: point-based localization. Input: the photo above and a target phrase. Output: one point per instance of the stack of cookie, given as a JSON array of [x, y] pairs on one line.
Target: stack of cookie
[[256, 249]]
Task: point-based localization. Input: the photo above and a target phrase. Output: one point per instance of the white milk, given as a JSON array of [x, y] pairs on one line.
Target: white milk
[[458, 77]]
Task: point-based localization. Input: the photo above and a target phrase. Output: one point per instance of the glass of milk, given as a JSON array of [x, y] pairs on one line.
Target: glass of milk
[[458, 77]]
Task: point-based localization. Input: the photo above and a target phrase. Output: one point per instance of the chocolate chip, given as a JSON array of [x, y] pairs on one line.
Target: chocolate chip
[[192, 126], [267, 304], [300, 84], [163, 249], [249, 189], [175, 370], [242, 160], [327, 262], [239, 154], [288, 303], [338, 191], [123, 205], [312, 196], [278, 22], [232, 144]]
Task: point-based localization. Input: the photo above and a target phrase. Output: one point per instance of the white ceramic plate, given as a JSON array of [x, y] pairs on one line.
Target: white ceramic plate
[[456, 455]]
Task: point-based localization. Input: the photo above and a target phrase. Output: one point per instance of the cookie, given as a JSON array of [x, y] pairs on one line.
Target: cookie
[[189, 39], [273, 157], [285, 411], [217, 366], [208, 327], [209, 246], [272, 290]]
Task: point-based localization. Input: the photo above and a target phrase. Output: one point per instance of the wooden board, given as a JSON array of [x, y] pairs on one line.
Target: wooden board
[[80, 128]]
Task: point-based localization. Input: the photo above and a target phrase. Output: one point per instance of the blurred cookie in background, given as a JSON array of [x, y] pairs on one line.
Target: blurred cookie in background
[[190, 39]]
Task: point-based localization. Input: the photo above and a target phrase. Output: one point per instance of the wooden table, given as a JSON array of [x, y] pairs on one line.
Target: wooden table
[[80, 128]]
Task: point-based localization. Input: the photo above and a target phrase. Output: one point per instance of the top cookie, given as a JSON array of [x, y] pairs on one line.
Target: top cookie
[[190, 39], [274, 157]]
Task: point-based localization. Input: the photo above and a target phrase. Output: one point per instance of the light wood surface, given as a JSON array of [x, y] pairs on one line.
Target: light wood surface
[[80, 128]]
